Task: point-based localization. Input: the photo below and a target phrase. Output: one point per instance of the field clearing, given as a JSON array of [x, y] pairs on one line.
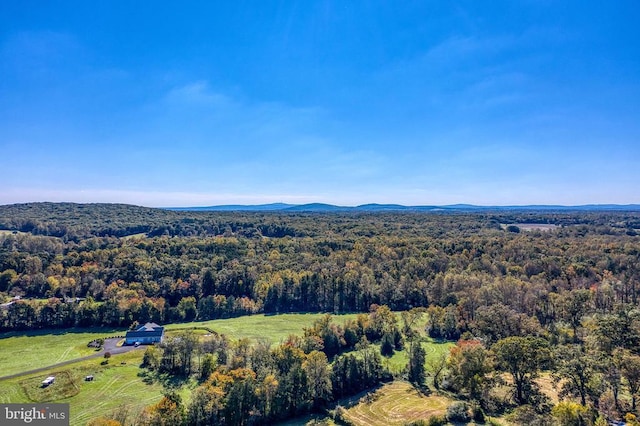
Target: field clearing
[[276, 328], [29, 350], [537, 227], [545, 381], [23, 351], [64, 387], [121, 387], [533, 226], [141, 235], [432, 348], [396, 403], [116, 386]]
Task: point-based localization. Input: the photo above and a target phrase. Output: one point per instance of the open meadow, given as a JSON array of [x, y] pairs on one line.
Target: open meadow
[[117, 386], [276, 328], [120, 386], [22, 351], [432, 349]]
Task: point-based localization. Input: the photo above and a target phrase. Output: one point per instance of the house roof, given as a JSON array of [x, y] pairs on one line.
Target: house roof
[[150, 326], [152, 333], [150, 329]]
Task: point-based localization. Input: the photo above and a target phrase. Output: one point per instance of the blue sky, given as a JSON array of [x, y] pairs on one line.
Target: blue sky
[[347, 102]]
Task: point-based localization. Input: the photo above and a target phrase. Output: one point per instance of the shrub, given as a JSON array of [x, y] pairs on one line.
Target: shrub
[[417, 423], [458, 412], [527, 415], [478, 414], [571, 413], [439, 420]]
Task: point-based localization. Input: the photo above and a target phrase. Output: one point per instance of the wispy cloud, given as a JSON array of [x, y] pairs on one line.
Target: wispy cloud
[[198, 93]]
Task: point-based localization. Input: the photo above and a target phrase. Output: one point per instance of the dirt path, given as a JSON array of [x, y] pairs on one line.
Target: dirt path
[[110, 345]]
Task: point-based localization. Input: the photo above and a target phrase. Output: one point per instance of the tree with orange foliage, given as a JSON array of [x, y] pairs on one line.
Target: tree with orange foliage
[[469, 365]]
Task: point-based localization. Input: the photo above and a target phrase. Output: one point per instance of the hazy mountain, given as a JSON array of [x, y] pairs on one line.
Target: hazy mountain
[[319, 207], [373, 207], [237, 207]]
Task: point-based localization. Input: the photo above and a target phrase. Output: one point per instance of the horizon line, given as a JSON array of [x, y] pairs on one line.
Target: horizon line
[[594, 204]]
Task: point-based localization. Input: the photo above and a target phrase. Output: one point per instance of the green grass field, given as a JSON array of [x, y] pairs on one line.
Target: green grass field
[[34, 349], [116, 386], [27, 351], [65, 386], [276, 328], [396, 403], [432, 349]]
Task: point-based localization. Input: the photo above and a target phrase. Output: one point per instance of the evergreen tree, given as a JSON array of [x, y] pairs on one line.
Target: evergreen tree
[[417, 358]]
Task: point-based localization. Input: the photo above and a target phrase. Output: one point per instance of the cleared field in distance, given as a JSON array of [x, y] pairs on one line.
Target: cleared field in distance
[[533, 226]]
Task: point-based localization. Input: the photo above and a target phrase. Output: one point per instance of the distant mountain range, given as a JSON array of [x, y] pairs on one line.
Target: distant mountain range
[[320, 207]]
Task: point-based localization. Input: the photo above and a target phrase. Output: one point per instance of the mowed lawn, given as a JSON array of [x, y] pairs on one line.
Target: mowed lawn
[[396, 403], [116, 386], [276, 328], [30, 350], [23, 351], [432, 349]]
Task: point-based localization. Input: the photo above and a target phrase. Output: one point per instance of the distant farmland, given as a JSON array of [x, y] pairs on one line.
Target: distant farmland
[[532, 226]]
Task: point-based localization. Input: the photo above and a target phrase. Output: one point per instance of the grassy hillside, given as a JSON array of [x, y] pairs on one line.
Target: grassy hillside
[[432, 349], [273, 327], [116, 386], [27, 351], [30, 350]]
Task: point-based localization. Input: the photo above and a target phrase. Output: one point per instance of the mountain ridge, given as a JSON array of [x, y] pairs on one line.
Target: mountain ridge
[[325, 207], [375, 207]]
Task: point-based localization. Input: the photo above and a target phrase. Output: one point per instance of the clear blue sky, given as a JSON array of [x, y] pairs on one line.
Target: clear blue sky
[[416, 102]]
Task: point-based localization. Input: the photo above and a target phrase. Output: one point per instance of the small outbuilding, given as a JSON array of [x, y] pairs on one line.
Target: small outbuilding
[[147, 334]]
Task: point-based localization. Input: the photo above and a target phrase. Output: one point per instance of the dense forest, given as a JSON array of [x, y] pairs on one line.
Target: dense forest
[[567, 294]]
